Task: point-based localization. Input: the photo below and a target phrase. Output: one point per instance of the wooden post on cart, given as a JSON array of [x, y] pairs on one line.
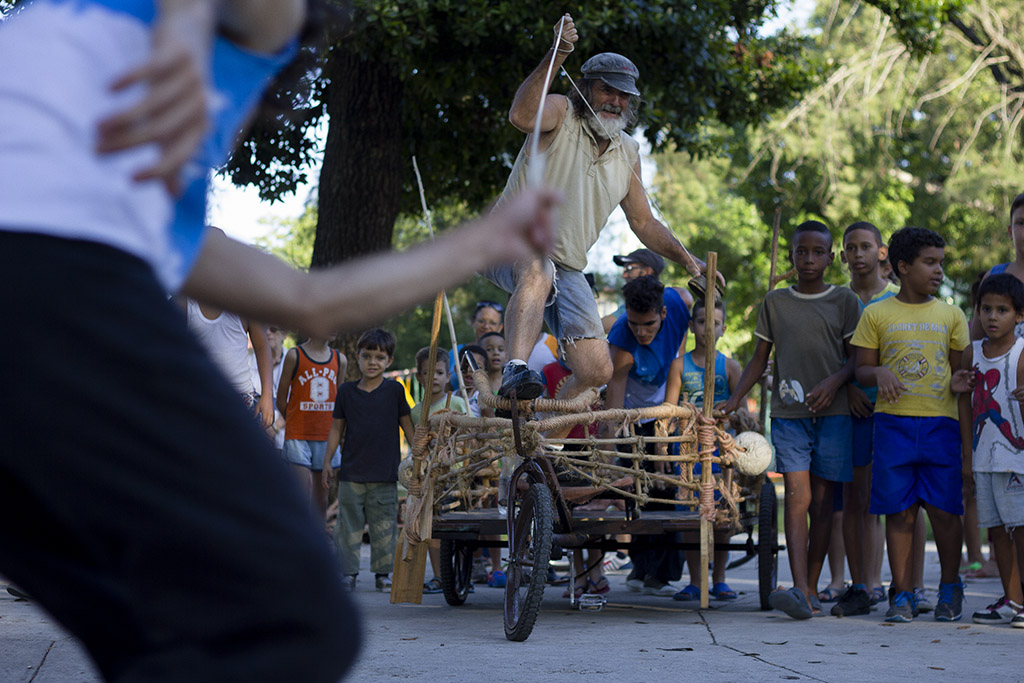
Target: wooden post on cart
[[411, 561], [707, 529]]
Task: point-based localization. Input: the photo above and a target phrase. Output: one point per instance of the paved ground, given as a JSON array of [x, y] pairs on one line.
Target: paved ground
[[634, 638]]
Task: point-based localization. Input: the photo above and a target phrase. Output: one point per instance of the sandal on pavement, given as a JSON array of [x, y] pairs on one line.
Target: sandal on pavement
[[721, 591], [830, 594], [599, 587], [688, 594], [433, 586], [792, 602], [878, 595]]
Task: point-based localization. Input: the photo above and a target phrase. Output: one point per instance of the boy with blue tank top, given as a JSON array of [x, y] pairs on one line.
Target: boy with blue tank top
[[686, 382]]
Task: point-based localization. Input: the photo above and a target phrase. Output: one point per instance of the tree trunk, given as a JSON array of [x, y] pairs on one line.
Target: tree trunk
[[361, 179]]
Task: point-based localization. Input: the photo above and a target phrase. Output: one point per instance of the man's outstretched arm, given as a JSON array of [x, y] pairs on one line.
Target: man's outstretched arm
[[242, 279], [653, 232]]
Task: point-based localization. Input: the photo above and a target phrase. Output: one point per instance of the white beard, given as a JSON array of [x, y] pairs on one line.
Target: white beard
[[606, 128]]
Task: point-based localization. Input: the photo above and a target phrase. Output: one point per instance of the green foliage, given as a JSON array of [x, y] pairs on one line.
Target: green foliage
[[460, 64], [919, 23], [706, 216], [292, 240], [896, 140]]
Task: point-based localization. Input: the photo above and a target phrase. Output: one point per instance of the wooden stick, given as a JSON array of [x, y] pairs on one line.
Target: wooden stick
[[763, 410], [411, 561], [707, 535]]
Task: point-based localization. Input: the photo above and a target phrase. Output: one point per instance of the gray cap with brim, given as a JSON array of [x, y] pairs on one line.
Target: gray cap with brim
[[613, 69]]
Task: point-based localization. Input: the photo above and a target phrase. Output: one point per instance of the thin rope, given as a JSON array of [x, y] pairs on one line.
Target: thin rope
[[444, 294], [650, 197], [535, 171]]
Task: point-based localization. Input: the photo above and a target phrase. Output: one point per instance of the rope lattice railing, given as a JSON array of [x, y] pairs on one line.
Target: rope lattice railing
[[462, 457]]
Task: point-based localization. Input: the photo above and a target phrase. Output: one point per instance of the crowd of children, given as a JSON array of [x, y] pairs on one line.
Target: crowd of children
[[881, 407]]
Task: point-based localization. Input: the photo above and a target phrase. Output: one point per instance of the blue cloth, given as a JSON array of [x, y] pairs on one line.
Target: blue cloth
[[693, 379], [143, 10], [916, 459], [819, 445], [651, 362], [239, 78], [872, 392]]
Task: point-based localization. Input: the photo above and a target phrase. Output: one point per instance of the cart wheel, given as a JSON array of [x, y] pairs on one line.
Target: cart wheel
[[767, 543], [456, 570], [529, 552]]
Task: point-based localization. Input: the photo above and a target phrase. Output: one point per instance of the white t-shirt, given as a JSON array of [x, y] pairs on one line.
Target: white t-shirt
[[227, 342]]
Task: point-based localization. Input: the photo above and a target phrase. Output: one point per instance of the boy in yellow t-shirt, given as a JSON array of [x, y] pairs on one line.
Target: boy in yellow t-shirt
[[907, 346]]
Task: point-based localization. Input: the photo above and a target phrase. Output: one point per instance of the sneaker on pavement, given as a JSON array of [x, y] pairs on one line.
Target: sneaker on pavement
[[383, 583], [659, 588], [634, 585], [348, 582], [950, 604], [1018, 620], [902, 610], [528, 384], [614, 563], [1002, 611], [924, 603], [851, 603]]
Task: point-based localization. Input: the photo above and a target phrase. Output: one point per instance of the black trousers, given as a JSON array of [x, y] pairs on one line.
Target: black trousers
[[651, 559], [142, 506]]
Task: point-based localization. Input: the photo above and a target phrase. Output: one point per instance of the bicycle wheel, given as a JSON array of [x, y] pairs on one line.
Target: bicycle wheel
[[456, 569], [529, 552]]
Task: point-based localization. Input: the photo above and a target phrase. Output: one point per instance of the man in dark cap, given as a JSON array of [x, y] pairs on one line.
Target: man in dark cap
[[639, 263], [596, 165]]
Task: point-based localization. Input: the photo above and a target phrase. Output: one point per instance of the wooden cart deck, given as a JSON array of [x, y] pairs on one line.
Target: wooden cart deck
[[467, 525]]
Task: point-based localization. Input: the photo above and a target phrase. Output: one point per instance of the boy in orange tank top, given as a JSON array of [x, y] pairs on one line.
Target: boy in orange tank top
[[305, 397]]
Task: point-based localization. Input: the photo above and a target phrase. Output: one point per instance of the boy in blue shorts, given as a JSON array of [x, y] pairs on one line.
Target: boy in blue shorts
[[907, 346], [809, 325]]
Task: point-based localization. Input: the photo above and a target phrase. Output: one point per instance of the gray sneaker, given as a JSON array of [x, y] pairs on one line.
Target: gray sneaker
[[902, 609], [348, 582], [853, 602], [659, 588], [950, 605], [924, 603]]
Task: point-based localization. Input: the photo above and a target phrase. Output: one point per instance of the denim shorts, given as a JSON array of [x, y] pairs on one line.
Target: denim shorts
[[1000, 499], [916, 459], [571, 309], [820, 445], [863, 440], [309, 454]]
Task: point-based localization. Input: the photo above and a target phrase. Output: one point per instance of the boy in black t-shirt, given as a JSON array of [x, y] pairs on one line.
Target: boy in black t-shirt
[[367, 415]]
